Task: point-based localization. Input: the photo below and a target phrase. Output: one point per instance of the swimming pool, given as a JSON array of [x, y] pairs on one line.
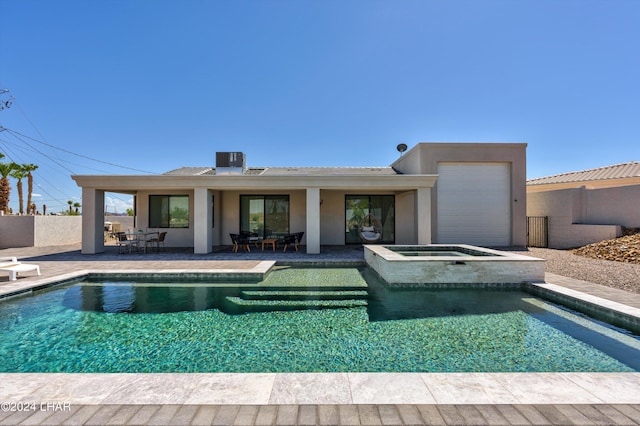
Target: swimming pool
[[302, 320]]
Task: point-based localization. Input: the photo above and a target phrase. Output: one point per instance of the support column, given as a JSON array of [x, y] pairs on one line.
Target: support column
[[313, 221], [202, 221], [92, 221], [423, 215]]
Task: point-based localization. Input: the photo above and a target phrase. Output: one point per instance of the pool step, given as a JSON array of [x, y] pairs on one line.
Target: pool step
[[303, 295], [302, 287], [291, 299], [240, 305]]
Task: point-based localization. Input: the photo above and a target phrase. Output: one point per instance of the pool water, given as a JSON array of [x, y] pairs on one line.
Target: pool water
[[431, 253], [302, 320], [440, 250]]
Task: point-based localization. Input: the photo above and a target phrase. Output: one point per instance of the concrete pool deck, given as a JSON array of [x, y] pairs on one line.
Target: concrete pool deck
[[307, 398]]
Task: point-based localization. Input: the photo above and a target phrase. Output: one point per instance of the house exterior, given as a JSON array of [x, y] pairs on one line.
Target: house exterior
[[470, 193], [587, 206]]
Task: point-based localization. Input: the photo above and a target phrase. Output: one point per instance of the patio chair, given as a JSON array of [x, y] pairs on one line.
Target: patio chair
[[292, 239], [157, 241], [11, 266], [240, 241], [124, 243], [251, 236]]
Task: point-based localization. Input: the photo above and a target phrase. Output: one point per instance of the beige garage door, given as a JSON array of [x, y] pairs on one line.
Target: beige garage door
[[474, 204]]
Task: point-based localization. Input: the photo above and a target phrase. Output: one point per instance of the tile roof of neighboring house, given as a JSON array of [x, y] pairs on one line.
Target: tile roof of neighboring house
[[288, 171], [617, 171]]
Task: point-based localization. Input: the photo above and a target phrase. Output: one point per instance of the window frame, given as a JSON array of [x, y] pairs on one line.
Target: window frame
[[264, 198], [167, 225], [369, 197]]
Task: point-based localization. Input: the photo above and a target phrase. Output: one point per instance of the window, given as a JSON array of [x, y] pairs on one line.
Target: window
[[265, 215], [168, 211], [370, 211]]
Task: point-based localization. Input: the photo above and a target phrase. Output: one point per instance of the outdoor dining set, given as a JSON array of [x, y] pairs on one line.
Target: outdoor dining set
[[245, 240], [142, 241]]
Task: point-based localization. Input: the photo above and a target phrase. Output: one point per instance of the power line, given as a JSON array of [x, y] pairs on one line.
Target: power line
[[35, 149], [56, 158], [35, 173], [14, 133]]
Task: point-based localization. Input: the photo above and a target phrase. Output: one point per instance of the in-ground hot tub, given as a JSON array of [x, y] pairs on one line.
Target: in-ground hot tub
[[451, 264]]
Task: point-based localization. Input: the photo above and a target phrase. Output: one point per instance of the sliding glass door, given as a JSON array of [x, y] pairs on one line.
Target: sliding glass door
[[370, 219], [264, 215]]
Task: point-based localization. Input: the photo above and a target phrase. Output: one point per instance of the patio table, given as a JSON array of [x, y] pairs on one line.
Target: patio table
[[142, 238], [272, 241]]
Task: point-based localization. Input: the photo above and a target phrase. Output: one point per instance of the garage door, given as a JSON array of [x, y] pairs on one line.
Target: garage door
[[474, 204]]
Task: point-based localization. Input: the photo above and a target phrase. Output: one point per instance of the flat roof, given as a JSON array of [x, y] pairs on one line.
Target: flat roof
[[288, 171]]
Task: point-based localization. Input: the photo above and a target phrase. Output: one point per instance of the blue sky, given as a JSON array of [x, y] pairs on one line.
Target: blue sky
[[153, 85]]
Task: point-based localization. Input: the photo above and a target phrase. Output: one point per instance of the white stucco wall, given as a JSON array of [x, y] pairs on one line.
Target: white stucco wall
[[332, 221], [573, 221], [39, 231], [17, 231], [618, 206], [405, 223], [126, 222]]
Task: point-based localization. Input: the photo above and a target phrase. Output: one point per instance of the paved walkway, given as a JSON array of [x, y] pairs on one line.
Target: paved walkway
[[383, 414], [294, 398]]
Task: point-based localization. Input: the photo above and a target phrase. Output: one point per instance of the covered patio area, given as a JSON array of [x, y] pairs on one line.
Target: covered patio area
[[202, 211]]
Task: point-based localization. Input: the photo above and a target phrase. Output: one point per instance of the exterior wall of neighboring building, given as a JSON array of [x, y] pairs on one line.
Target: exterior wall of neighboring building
[[425, 157], [613, 206], [576, 216], [126, 222], [39, 231]]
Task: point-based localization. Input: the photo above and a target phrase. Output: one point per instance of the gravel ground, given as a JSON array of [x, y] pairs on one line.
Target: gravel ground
[[624, 276]]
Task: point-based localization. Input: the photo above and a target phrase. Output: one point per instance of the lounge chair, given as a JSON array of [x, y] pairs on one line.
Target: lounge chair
[[11, 267]]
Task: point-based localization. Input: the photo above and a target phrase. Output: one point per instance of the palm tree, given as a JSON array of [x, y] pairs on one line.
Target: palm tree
[[29, 168], [70, 205], [19, 173], [5, 185], [77, 206]]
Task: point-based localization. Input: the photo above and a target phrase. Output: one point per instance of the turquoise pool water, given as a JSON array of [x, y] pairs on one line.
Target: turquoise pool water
[[302, 320]]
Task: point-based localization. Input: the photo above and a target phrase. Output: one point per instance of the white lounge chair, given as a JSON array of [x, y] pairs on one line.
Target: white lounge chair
[[11, 267]]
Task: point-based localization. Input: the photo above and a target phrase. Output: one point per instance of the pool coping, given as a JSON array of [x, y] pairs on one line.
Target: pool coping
[[257, 273], [321, 388]]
